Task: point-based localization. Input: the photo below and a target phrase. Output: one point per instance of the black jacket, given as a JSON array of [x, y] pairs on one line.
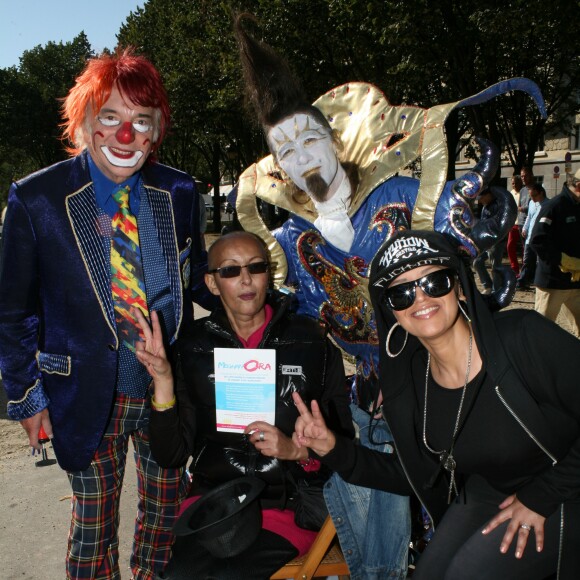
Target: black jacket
[[557, 230], [534, 365], [189, 429]]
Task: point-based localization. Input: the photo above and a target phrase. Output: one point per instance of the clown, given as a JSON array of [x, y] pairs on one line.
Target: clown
[[86, 241], [334, 166], [121, 137]]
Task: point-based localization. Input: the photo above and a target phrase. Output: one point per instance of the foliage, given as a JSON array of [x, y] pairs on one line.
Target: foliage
[[192, 46], [462, 47], [426, 53], [29, 107]]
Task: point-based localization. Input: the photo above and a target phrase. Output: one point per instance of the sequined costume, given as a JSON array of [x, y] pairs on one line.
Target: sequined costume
[[332, 284]]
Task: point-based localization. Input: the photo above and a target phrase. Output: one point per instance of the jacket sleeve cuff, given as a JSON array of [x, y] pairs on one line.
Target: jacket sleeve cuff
[[342, 458], [537, 504], [34, 401], [164, 419], [536, 497]]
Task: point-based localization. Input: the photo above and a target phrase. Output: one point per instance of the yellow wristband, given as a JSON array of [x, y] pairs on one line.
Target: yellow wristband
[[162, 406]]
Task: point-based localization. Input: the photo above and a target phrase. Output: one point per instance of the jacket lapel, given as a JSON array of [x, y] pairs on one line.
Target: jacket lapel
[[88, 226], [162, 225]]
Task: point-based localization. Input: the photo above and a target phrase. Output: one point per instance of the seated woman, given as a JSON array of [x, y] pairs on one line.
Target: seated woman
[[485, 414], [183, 418]]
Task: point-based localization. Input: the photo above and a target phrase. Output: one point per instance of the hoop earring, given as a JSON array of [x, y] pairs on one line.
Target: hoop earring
[[387, 349], [463, 311]]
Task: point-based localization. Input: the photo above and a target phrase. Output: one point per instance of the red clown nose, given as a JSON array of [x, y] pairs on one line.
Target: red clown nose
[[125, 133]]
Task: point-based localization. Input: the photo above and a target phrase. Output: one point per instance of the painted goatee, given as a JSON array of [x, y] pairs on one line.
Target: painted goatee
[[317, 187]]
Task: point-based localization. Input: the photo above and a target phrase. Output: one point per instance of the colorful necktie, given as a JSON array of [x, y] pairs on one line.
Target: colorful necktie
[[127, 283]]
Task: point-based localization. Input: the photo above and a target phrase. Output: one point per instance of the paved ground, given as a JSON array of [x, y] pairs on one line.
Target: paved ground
[[35, 504], [35, 507]]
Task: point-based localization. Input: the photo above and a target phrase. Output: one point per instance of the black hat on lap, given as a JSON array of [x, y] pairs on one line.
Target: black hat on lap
[[225, 520]]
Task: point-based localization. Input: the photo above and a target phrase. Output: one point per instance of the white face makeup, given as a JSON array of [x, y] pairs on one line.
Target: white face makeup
[[303, 148], [120, 137]]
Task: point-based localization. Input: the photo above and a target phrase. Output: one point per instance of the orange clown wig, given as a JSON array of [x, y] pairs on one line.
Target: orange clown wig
[[135, 77]]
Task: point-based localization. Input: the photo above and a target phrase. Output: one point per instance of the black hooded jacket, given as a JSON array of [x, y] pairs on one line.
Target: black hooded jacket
[[534, 367], [189, 428], [556, 231]]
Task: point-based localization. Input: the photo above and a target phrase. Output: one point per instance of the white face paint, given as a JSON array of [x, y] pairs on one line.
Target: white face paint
[[120, 136], [303, 147]]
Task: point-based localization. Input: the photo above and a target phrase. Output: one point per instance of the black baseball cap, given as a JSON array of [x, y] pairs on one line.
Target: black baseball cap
[[409, 249]]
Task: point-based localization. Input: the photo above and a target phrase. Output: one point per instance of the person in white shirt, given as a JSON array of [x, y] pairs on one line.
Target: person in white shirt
[[538, 199]]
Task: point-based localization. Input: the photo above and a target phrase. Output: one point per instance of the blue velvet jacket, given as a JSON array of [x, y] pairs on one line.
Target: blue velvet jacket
[[58, 339]]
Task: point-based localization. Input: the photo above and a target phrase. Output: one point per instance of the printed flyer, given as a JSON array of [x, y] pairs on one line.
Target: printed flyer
[[245, 387]]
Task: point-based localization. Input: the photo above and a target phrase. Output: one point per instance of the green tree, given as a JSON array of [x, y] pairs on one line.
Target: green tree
[[417, 52], [450, 50], [30, 100], [48, 72], [13, 131], [192, 46], [424, 53]]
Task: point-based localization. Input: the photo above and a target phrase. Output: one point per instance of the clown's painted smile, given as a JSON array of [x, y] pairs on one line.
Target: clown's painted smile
[[120, 158]]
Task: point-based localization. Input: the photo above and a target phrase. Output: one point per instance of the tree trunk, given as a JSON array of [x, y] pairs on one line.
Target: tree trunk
[[215, 178]]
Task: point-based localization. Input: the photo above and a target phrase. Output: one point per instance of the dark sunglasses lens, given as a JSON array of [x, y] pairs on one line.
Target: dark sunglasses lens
[[437, 284], [235, 271], [258, 267], [401, 296], [229, 271]]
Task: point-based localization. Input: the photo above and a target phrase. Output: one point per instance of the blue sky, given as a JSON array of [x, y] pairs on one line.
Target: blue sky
[[25, 24]]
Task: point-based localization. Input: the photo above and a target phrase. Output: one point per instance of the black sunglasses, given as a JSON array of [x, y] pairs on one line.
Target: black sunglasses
[[235, 271], [435, 284]]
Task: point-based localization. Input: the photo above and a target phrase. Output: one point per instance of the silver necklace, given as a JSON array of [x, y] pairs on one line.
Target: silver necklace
[[446, 457]]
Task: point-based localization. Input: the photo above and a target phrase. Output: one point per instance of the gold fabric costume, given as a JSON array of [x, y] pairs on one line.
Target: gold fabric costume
[[380, 138]]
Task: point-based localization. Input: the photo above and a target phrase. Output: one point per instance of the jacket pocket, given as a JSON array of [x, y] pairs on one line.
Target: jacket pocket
[[58, 364]]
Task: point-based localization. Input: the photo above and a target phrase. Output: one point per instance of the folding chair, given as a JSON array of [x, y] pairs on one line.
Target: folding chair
[[323, 559]]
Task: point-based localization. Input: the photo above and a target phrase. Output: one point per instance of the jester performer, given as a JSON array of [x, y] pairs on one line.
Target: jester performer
[[334, 166], [87, 241]]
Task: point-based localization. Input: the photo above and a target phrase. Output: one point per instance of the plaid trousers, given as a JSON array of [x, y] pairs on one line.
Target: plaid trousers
[[93, 546]]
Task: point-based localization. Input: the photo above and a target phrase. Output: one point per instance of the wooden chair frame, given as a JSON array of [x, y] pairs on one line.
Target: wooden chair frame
[[324, 558]]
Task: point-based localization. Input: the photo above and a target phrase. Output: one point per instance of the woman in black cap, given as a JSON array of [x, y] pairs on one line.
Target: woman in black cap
[[485, 414]]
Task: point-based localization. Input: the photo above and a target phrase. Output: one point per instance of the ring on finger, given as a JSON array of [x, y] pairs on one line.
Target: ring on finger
[[526, 527], [261, 436]]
